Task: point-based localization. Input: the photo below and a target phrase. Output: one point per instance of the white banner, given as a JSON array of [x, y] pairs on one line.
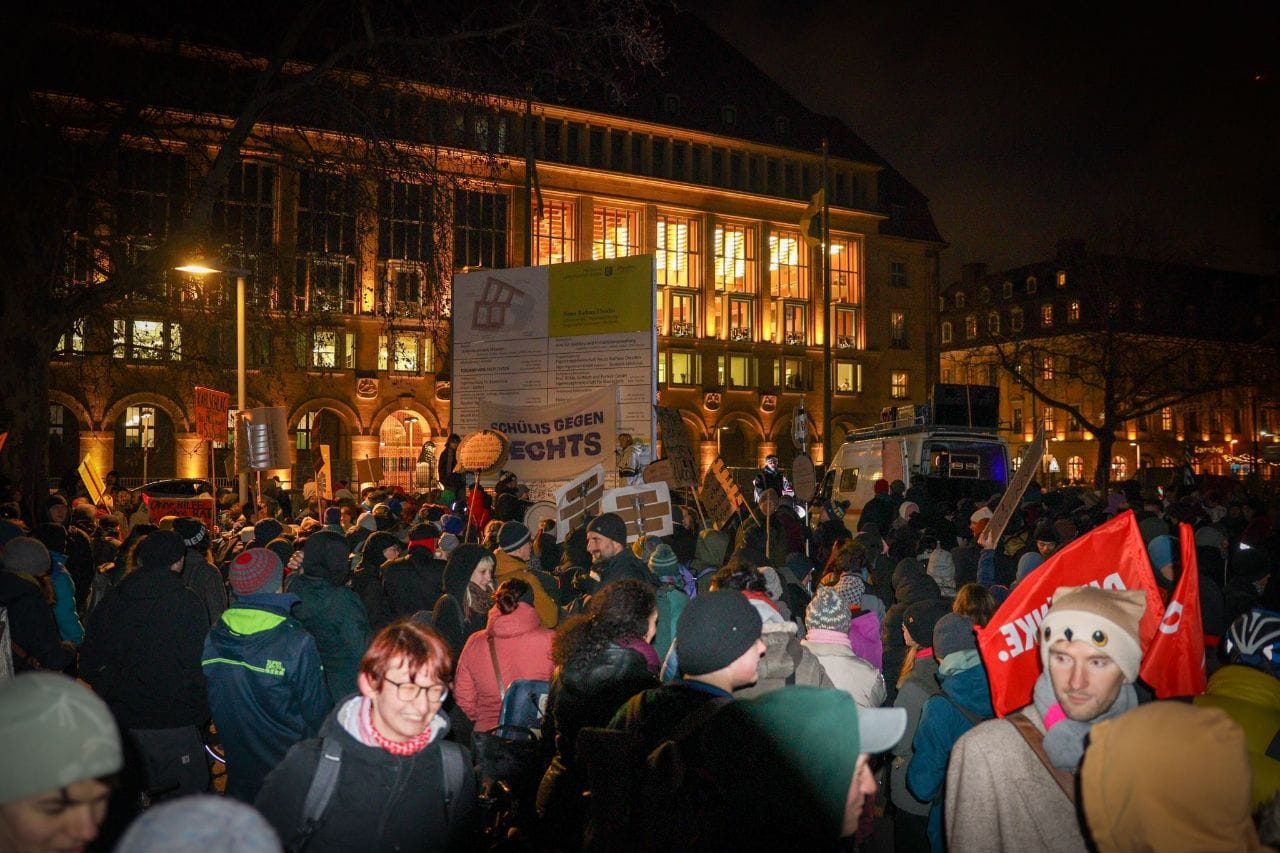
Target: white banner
[[645, 509], [556, 442]]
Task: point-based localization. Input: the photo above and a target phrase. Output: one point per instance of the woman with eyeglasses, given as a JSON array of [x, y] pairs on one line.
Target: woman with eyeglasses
[[400, 785]]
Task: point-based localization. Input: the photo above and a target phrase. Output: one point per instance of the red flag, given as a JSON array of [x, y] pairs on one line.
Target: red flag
[[1111, 556], [1174, 664]]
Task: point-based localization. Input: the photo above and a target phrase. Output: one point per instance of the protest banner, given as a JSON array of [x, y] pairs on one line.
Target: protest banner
[[554, 442], [1031, 456], [211, 413], [578, 499], [200, 507], [646, 509], [720, 495], [322, 465], [1112, 556], [676, 449], [93, 483], [1174, 665]]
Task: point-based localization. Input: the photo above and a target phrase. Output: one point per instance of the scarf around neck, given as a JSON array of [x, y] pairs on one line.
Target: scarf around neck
[[1064, 740]]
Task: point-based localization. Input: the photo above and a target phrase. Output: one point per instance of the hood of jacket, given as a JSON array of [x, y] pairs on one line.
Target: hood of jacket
[[327, 556], [145, 584], [1245, 684], [970, 689], [906, 568], [916, 587], [462, 563], [710, 550], [778, 661], [518, 622]]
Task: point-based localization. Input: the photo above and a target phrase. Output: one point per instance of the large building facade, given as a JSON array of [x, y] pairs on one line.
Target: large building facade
[[710, 169], [1053, 320]]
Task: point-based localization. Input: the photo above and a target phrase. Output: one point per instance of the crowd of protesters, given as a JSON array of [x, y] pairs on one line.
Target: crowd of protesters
[[802, 676]]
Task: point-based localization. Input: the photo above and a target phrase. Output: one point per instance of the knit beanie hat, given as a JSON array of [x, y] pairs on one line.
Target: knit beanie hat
[[953, 633], [255, 570], [205, 822], [192, 531], [160, 550], [922, 617], [1106, 619], [447, 543], [826, 610], [908, 509], [851, 587], [715, 629], [25, 555], [513, 536], [610, 526], [881, 487], [333, 515], [1160, 550], [454, 524], [54, 500], [267, 529], [1028, 563], [663, 562], [772, 582], [55, 732]]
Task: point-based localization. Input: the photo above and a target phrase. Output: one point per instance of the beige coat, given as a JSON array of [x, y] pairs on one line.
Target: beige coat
[[850, 673]]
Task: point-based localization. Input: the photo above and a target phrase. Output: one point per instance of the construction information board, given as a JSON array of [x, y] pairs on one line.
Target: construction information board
[[534, 337]]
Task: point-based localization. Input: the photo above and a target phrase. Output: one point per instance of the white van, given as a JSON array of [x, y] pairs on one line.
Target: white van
[[951, 460]]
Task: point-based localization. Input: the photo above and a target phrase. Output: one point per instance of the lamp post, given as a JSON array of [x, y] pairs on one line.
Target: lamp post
[[202, 268]]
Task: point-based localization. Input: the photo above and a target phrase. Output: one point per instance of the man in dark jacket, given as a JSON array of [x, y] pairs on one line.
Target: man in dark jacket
[[613, 560], [141, 654], [79, 552], [414, 580], [199, 574], [33, 632], [266, 683], [332, 614]]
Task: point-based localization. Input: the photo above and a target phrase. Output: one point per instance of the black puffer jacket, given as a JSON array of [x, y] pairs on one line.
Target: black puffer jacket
[[450, 615], [412, 582], [31, 624], [910, 584]]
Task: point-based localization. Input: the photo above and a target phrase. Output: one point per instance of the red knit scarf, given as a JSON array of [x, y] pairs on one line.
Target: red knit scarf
[[407, 747]]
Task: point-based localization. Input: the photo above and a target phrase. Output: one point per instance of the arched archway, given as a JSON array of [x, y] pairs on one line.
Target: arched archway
[[316, 427], [401, 439], [738, 438]]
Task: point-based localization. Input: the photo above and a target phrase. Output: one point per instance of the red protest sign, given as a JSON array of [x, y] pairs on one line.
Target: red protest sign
[[200, 507], [211, 413], [1112, 556], [1174, 665]]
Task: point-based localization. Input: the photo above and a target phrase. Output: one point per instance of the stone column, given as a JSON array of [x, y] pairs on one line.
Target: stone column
[[191, 455], [100, 447], [707, 455]]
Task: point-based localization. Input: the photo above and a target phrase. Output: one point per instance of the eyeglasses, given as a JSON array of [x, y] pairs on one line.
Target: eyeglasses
[[408, 691]]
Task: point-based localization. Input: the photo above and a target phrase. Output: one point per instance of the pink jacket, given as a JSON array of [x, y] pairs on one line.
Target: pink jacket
[[524, 651]]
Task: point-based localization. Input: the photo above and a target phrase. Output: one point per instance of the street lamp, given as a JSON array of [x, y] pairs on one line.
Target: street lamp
[[203, 268]]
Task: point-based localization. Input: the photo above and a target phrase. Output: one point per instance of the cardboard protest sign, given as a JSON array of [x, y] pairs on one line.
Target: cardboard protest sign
[[660, 471], [482, 451], [720, 495], [211, 413], [804, 480], [645, 509], [1111, 556], [93, 483], [198, 507], [676, 449], [262, 439], [577, 499], [321, 464], [554, 442], [1174, 665], [1031, 456], [369, 470]]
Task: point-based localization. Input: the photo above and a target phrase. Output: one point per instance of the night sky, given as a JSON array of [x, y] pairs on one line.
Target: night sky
[[1027, 123]]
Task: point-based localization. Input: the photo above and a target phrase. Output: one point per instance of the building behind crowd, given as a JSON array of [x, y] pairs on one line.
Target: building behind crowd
[[1052, 319], [710, 167]]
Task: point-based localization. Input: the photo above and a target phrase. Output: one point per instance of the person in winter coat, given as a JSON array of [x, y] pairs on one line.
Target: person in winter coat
[[54, 538], [881, 510], [671, 596], [964, 702], [415, 580], [827, 638], [199, 574], [332, 614], [142, 656], [940, 566], [511, 560], [265, 680], [25, 595], [864, 624], [513, 635], [613, 560], [468, 587], [910, 584], [1139, 794], [602, 658], [916, 685], [401, 785], [379, 548], [708, 556]]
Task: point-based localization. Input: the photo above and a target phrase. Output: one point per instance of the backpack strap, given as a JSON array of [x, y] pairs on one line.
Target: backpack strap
[[1065, 778], [453, 764], [497, 670], [972, 717], [321, 791]]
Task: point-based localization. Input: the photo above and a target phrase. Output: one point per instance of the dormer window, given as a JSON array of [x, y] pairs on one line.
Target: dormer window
[[1008, 290], [729, 115], [1062, 278], [1031, 284], [671, 104], [782, 125], [960, 299]]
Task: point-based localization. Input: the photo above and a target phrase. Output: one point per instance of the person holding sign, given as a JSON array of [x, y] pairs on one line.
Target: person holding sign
[[1091, 651]]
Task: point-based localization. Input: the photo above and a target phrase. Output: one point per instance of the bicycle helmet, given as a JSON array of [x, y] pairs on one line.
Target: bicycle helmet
[[1254, 640]]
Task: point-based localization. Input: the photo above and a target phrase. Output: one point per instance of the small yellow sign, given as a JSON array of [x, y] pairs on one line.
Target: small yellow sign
[[575, 304]]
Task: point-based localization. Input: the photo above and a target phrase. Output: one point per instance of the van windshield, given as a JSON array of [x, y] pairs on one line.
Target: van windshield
[[958, 468]]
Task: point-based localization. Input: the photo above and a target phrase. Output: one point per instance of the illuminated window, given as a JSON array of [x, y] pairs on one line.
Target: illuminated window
[[960, 299], [898, 275], [324, 348], [737, 371], [846, 286], [72, 342], [791, 374], [404, 353], [404, 288], [1119, 468], [846, 328], [1016, 425], [554, 237], [993, 323], [898, 329], [795, 316], [788, 265], [740, 326], [1166, 419], [140, 426], [971, 327], [1062, 278], [1046, 315], [946, 332], [898, 384], [1046, 367], [1050, 420], [1167, 462], [325, 284], [677, 252], [1075, 468], [848, 377], [614, 233], [686, 368], [946, 374], [1015, 319], [1073, 311], [683, 314], [479, 230], [146, 340], [735, 258]]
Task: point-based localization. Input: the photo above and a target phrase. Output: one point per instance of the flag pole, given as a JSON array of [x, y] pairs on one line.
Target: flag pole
[[828, 315]]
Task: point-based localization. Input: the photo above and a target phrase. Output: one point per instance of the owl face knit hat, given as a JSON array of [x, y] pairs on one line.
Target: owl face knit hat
[[1106, 619]]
